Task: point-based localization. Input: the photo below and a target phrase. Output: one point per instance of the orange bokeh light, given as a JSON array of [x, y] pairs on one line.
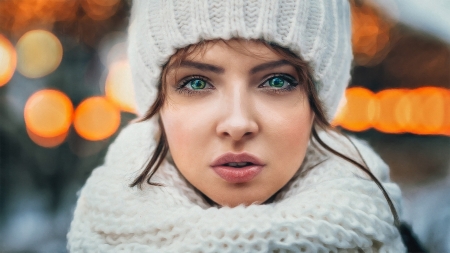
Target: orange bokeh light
[[370, 34], [100, 9], [428, 110], [424, 110], [119, 86], [446, 125], [47, 142], [19, 15], [48, 113], [359, 110], [392, 116], [96, 119], [8, 60]]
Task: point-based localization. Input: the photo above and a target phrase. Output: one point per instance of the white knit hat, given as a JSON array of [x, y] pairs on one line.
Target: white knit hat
[[316, 30]]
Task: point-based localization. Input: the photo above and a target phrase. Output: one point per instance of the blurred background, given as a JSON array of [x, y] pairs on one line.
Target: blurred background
[[65, 92]]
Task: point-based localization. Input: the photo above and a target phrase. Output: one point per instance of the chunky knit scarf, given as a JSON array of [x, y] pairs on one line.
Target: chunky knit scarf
[[329, 206]]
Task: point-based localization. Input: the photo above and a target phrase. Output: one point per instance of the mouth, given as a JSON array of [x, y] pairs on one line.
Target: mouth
[[237, 160], [237, 168], [238, 165]]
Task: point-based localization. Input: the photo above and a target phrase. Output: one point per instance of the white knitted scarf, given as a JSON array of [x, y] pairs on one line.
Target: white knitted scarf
[[329, 206]]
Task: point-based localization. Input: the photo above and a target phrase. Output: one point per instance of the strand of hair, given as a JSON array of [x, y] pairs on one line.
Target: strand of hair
[[363, 168]]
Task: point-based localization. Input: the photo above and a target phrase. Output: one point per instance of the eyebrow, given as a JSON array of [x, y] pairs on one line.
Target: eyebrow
[[269, 65], [220, 70], [202, 66]]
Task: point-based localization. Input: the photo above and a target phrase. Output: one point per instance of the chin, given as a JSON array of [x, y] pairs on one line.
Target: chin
[[239, 197], [235, 203]]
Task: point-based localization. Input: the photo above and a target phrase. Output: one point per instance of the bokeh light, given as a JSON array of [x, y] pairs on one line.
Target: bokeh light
[[370, 34], [423, 111], [100, 9], [8, 60], [39, 53], [47, 142], [391, 116], [427, 110], [118, 52], [112, 47], [119, 86], [359, 110], [20, 15], [48, 113], [96, 118], [446, 124]]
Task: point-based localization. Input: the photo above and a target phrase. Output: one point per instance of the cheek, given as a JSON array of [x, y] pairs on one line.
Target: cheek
[[288, 120], [288, 129], [179, 134], [297, 130], [186, 132], [295, 138], [175, 134]]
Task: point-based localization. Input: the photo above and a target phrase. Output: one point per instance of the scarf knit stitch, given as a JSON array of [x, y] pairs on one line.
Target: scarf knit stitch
[[328, 206]]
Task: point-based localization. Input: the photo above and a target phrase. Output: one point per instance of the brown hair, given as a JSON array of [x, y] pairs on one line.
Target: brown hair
[[304, 72]]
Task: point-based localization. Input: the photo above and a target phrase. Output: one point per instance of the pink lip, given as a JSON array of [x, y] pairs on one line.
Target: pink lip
[[237, 175]]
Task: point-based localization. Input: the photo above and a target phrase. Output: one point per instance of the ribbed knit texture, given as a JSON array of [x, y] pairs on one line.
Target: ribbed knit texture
[[332, 207], [316, 30]]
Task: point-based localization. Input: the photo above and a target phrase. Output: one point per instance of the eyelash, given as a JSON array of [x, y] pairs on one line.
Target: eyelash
[[292, 84], [181, 87]]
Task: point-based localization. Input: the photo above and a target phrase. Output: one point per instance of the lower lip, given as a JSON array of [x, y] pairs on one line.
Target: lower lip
[[238, 175]]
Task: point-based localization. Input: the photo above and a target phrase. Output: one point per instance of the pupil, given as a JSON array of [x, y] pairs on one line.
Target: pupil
[[198, 84], [276, 82]]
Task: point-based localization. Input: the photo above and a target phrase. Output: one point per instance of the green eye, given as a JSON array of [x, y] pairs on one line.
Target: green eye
[[276, 82], [198, 84]]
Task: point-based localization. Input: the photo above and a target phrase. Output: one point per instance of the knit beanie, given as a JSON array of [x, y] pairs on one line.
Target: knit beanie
[[318, 31]]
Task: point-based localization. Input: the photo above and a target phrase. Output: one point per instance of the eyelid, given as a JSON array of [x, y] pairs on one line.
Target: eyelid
[[182, 89], [184, 81], [292, 80]]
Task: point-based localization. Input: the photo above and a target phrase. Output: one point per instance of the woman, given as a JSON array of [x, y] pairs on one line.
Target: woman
[[236, 98]]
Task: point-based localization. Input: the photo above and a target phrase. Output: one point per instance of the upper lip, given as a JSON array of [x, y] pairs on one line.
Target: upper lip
[[236, 158]]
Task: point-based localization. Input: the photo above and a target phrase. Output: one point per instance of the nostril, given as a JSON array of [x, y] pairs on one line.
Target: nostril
[[235, 129], [227, 134]]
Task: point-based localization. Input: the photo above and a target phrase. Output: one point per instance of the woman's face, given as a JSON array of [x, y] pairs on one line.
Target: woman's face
[[237, 121]]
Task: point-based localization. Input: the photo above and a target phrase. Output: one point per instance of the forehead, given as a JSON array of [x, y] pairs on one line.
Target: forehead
[[229, 50]]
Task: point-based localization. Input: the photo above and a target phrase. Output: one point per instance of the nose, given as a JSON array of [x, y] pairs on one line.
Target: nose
[[238, 119]]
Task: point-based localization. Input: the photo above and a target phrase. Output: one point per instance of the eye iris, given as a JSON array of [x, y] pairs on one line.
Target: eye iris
[[276, 82], [198, 84]]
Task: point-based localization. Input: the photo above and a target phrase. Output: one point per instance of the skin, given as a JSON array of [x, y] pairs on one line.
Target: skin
[[236, 111]]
